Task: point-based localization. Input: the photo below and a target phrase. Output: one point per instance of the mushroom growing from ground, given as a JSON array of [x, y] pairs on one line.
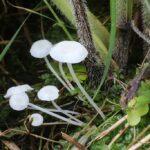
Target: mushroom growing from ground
[[51, 93], [36, 119], [72, 52]]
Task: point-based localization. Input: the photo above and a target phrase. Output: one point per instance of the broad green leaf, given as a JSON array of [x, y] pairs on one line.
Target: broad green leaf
[[142, 109], [145, 87], [144, 99], [133, 117]]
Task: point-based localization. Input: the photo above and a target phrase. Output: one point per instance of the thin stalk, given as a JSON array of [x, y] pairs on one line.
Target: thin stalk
[[54, 110], [67, 81], [60, 23], [84, 92], [56, 74], [55, 115], [64, 76], [112, 40], [60, 109]]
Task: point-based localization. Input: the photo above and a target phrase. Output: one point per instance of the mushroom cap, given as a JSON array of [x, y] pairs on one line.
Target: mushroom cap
[[17, 90], [19, 102], [37, 119], [48, 93], [40, 48], [69, 52]]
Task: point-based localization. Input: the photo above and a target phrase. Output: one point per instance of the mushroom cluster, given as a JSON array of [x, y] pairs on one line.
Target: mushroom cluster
[[69, 52], [19, 100]]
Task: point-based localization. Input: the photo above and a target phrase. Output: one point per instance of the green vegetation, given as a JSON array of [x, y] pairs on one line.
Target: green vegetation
[[110, 111]]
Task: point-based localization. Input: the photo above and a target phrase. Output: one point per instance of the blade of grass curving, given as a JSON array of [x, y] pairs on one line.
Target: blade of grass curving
[[60, 22], [31, 11], [5, 50], [111, 43]]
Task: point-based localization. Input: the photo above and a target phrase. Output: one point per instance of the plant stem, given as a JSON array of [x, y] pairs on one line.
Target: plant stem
[[56, 74], [60, 23], [55, 115], [60, 109], [64, 76], [84, 92]]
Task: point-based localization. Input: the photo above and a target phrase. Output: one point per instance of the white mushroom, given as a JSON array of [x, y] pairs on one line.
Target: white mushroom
[[50, 93], [19, 101], [40, 49], [69, 52], [17, 90], [72, 52], [36, 119]]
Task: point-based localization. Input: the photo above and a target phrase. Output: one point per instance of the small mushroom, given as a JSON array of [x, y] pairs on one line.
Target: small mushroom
[[36, 119], [72, 52], [19, 101], [40, 48], [17, 90], [50, 93]]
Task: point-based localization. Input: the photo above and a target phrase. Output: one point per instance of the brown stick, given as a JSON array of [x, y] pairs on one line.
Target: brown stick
[[104, 133], [73, 141]]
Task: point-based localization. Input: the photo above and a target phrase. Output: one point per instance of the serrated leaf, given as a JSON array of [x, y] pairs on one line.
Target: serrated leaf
[[133, 117]]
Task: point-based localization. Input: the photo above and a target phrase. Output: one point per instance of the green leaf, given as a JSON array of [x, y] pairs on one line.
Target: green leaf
[[7, 47], [145, 99], [133, 117], [144, 88], [132, 103], [142, 109]]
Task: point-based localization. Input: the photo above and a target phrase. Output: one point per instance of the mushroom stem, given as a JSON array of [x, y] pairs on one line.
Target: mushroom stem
[[54, 110], [55, 115], [60, 109], [64, 76], [67, 81], [84, 92], [56, 74]]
